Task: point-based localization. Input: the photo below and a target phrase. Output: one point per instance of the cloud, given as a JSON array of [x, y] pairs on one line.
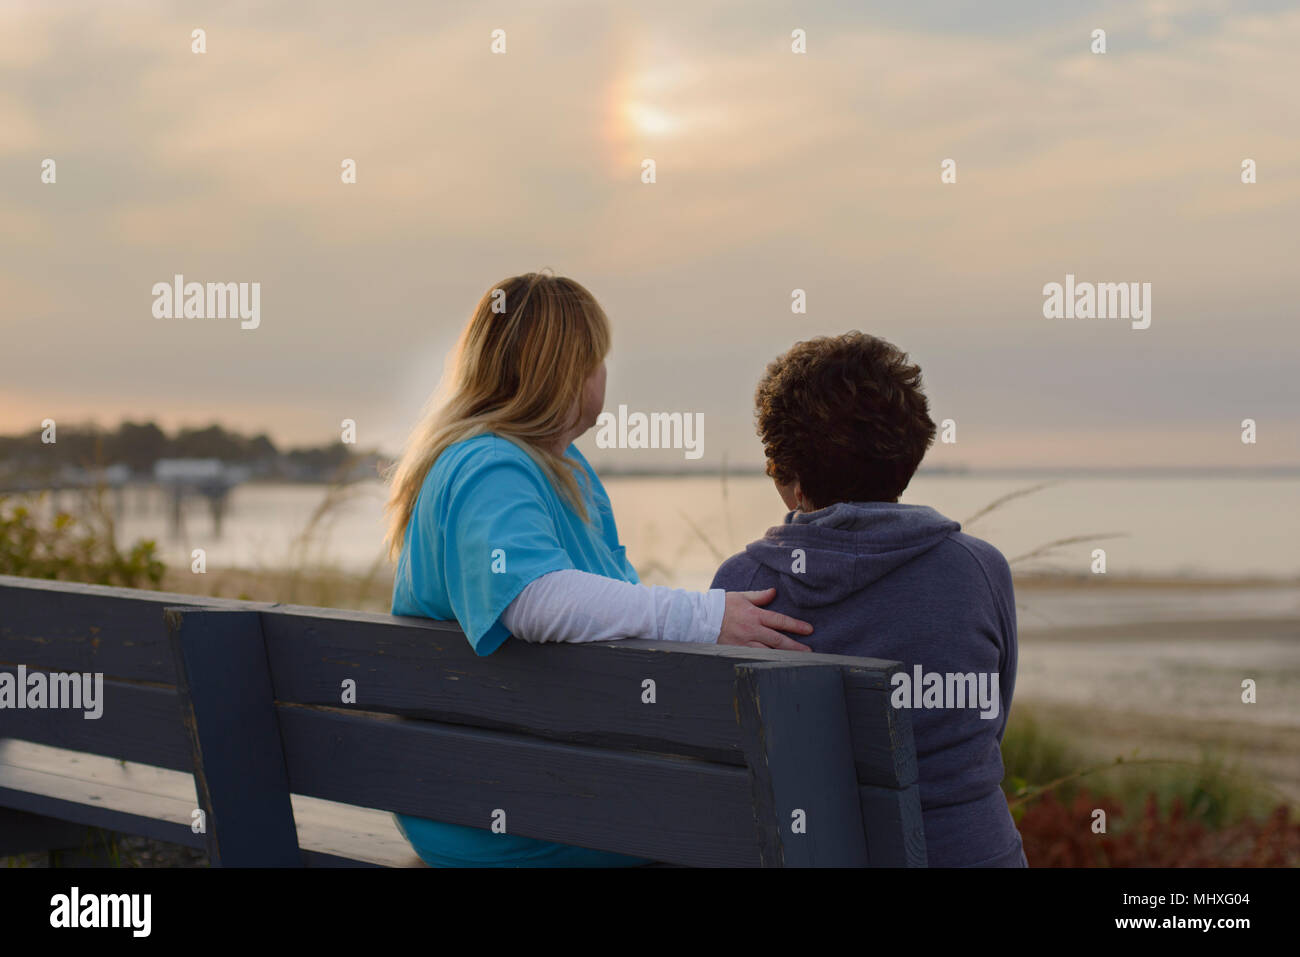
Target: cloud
[[775, 171]]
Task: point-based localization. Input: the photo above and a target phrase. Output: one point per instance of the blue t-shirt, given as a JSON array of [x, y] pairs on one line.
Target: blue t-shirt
[[487, 522]]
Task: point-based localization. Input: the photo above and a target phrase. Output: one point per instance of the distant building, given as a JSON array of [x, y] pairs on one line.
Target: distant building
[[188, 470]]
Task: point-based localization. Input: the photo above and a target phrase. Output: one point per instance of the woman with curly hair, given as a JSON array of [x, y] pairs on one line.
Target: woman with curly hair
[[844, 424]]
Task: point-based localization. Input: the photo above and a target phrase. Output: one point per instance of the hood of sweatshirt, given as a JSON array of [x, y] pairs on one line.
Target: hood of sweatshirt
[[824, 556]]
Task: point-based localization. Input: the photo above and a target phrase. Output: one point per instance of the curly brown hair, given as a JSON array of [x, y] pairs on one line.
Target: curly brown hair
[[846, 417]]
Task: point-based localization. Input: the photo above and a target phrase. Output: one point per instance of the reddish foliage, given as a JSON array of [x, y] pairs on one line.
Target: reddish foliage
[[1060, 835]]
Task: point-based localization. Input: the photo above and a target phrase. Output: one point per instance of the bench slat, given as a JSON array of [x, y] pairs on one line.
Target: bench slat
[[25, 833], [581, 693], [140, 723], [66, 626], [671, 809], [158, 803]]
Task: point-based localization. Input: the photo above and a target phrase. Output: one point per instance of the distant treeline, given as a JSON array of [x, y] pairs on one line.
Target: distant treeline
[[140, 445]]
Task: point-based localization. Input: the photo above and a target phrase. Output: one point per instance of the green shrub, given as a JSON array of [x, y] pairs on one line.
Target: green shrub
[[1038, 759], [78, 548]]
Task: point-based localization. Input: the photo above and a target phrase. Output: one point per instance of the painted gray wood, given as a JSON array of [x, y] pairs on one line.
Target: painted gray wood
[[52, 792], [798, 742], [556, 736], [672, 809], [892, 820], [419, 668], [65, 626], [25, 833], [140, 723], [229, 711], [155, 802], [580, 693]]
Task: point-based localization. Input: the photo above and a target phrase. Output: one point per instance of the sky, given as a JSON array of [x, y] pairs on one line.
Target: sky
[[775, 171]]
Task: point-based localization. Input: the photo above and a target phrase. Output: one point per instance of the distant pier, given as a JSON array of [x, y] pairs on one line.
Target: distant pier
[[173, 480]]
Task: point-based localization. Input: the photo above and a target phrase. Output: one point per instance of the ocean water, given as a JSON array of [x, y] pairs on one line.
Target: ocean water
[[677, 530], [1179, 648]]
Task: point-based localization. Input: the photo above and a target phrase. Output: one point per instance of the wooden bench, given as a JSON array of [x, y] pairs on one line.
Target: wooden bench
[[691, 755]]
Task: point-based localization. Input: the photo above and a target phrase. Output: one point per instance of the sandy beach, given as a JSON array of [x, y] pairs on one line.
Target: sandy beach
[[1156, 669]]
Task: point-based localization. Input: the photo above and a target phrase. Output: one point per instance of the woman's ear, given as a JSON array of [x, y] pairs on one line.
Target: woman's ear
[[593, 396], [790, 494]]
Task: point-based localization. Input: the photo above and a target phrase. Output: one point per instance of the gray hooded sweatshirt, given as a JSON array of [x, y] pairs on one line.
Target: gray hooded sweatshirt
[[902, 582]]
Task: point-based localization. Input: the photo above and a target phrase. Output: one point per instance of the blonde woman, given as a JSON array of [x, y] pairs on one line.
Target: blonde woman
[[499, 523]]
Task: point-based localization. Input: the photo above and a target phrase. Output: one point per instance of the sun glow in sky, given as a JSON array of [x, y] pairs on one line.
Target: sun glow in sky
[[775, 172], [649, 121], [646, 101]]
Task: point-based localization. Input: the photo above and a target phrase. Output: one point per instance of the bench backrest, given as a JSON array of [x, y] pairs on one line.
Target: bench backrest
[[682, 753]]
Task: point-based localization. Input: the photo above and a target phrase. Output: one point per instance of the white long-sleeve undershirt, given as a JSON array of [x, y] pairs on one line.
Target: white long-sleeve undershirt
[[571, 605]]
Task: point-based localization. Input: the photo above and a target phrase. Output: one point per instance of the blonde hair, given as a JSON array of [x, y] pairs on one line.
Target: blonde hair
[[518, 371]]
